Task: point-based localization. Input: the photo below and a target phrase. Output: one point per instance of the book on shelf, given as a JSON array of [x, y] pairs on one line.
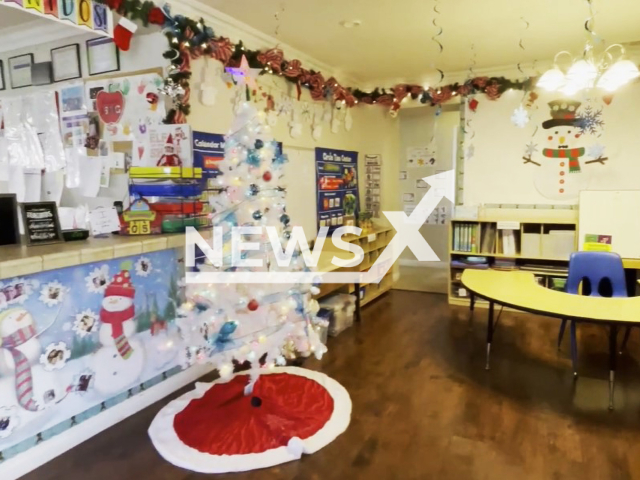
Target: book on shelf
[[488, 238], [505, 264], [508, 242], [551, 269]]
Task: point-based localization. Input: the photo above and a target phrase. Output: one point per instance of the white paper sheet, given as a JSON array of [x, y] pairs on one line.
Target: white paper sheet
[[16, 182], [89, 176], [104, 220], [32, 185], [52, 186]]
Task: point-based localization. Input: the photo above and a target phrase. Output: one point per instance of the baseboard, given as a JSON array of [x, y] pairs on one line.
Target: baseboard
[[37, 456], [417, 263]]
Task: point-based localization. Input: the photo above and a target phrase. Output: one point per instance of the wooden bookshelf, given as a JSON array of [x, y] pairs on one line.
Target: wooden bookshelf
[[531, 234], [372, 242]]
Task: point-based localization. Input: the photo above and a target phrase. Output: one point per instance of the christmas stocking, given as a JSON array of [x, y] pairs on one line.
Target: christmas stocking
[[123, 33]]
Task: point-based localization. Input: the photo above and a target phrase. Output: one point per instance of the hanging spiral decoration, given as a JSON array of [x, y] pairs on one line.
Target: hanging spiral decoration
[[521, 44]]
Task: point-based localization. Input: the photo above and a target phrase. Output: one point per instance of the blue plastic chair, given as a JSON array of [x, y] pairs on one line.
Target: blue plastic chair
[[601, 275]]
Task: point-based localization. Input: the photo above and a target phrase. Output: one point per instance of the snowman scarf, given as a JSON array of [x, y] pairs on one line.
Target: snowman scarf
[[572, 154], [24, 377], [116, 319]]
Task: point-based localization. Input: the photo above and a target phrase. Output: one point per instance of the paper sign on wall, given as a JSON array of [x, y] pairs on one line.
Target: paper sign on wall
[[104, 220]]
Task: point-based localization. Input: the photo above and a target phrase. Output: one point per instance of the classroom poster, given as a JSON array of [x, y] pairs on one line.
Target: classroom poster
[[165, 146], [208, 152], [337, 187]]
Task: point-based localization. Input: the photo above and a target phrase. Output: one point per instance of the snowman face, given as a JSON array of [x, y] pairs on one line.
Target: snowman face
[[563, 137], [116, 303], [14, 321]]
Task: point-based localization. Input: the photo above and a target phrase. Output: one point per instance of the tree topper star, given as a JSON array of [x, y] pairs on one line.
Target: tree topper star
[[244, 75]]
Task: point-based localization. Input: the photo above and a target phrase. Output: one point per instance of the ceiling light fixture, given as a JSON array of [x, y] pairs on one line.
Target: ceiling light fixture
[[605, 71]]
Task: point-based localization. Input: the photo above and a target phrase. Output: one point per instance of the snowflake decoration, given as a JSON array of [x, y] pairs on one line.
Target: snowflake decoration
[[596, 150], [471, 150], [590, 121], [306, 112], [16, 290], [85, 323], [98, 279], [55, 356], [83, 381], [9, 420], [52, 293], [143, 267], [531, 148], [520, 117], [286, 105]]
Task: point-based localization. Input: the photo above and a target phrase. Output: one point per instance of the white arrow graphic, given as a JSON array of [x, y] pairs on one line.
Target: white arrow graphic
[[407, 228]]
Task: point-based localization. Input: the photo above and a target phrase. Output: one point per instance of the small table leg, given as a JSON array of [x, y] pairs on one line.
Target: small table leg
[[356, 286], [472, 304], [613, 333], [489, 333]]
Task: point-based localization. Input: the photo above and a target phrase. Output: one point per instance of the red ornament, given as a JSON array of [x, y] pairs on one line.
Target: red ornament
[[156, 16], [607, 99], [253, 305], [473, 104], [266, 176]]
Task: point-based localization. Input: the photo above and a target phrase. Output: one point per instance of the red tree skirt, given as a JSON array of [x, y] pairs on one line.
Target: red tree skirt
[[216, 428]]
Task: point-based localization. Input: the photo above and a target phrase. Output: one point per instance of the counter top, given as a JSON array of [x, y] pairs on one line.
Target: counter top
[[16, 260]]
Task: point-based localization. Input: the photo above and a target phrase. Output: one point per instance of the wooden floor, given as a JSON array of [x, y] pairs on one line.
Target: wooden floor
[[425, 408]]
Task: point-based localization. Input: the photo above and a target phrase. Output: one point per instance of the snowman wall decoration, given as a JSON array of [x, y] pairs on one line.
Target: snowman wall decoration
[[562, 174], [119, 362], [20, 352]]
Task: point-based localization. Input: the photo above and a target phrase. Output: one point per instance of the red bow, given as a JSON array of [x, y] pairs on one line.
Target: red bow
[[316, 85], [464, 89], [367, 100], [492, 91], [385, 100], [440, 96], [480, 82], [221, 49], [273, 58], [400, 91], [293, 69]]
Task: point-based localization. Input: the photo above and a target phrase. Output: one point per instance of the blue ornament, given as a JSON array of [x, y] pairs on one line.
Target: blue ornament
[[280, 159], [259, 144], [253, 190], [284, 219], [257, 215], [201, 307], [253, 159], [224, 335]]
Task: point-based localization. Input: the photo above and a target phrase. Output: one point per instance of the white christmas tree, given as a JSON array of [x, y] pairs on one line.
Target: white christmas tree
[[259, 323]]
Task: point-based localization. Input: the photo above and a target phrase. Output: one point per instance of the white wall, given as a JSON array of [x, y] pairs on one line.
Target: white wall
[[497, 174]]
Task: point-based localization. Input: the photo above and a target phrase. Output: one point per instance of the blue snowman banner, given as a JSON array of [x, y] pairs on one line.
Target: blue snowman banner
[[72, 340]]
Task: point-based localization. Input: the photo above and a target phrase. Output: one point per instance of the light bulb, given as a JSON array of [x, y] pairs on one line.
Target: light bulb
[[619, 74], [551, 80]]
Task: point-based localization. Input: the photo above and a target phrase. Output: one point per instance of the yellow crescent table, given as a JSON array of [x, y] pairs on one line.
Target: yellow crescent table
[[520, 291]]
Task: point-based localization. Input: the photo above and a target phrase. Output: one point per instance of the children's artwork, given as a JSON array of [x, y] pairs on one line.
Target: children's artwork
[[165, 146], [420, 157], [337, 187], [72, 101], [128, 106], [63, 361]]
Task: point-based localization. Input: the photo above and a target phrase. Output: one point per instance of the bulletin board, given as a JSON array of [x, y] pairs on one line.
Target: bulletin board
[[605, 224], [336, 187]]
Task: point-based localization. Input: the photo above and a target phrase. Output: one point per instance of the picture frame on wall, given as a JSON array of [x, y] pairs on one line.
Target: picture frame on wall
[[10, 232], [103, 56], [66, 62], [2, 84], [20, 70]]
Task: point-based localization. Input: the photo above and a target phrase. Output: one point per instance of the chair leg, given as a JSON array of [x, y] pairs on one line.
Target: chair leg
[[561, 332], [627, 333], [574, 349]]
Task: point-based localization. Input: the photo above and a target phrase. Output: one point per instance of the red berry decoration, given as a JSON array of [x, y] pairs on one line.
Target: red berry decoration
[[253, 305], [266, 176]]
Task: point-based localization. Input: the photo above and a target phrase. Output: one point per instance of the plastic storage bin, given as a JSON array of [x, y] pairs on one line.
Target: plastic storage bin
[[343, 307]]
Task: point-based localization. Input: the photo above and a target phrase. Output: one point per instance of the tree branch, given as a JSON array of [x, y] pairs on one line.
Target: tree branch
[[598, 160], [528, 160]]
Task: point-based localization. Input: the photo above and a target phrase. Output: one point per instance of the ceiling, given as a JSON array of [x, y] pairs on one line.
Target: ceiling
[[394, 42]]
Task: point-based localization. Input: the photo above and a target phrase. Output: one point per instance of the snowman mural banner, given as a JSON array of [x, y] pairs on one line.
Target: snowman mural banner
[[565, 165], [74, 341]]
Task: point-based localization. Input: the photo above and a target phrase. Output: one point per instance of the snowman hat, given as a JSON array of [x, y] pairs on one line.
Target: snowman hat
[[121, 286], [563, 112]]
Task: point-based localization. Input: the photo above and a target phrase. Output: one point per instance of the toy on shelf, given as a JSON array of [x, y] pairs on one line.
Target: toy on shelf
[[174, 195], [140, 219]]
